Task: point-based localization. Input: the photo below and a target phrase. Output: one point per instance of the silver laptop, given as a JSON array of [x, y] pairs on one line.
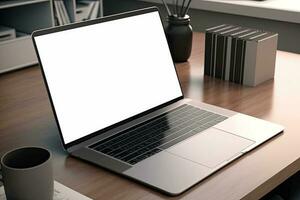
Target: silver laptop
[[118, 103]]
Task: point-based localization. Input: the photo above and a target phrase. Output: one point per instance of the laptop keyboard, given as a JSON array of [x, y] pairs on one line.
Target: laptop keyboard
[[150, 137]]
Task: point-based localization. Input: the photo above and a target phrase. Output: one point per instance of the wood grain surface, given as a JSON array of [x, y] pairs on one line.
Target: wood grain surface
[[26, 119]]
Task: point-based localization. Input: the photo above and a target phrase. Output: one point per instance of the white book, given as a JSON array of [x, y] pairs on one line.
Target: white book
[[57, 13], [61, 11], [95, 11], [91, 10], [65, 13], [260, 58]]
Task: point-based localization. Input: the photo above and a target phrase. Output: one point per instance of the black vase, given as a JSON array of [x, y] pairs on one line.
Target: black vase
[[179, 34]]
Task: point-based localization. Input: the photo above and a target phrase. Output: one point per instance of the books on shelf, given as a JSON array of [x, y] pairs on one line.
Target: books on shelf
[[7, 33], [60, 13], [240, 55], [86, 10]]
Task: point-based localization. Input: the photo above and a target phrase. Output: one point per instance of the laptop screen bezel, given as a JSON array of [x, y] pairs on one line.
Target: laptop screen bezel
[[87, 23]]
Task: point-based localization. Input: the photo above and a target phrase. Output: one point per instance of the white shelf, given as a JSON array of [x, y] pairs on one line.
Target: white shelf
[[13, 3], [280, 10], [17, 53], [27, 16], [24, 16], [19, 36]]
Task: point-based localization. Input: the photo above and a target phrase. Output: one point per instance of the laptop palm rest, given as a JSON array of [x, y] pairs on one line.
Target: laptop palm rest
[[168, 172], [183, 165], [211, 147]]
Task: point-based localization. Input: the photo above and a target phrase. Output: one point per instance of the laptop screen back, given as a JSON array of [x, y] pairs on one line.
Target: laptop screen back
[[104, 73]]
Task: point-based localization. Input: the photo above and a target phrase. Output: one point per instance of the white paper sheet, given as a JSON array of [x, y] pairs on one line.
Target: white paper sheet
[[61, 192]]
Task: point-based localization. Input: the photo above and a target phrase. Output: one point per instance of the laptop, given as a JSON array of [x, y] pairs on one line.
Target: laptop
[[118, 103]]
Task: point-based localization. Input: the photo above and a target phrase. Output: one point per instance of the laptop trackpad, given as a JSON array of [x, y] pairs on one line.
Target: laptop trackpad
[[211, 147]]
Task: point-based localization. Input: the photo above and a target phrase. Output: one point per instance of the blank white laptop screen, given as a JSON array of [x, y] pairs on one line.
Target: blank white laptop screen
[[101, 74]]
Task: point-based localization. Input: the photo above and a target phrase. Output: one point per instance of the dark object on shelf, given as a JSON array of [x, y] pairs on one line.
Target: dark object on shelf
[[239, 54], [179, 35]]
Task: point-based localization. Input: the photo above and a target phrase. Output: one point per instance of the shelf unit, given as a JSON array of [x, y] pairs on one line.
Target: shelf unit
[[26, 16]]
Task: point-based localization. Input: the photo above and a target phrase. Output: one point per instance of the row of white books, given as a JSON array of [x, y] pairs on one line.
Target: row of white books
[[60, 13]]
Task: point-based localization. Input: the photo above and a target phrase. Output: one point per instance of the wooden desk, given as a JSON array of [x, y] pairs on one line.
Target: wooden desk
[[26, 119]]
